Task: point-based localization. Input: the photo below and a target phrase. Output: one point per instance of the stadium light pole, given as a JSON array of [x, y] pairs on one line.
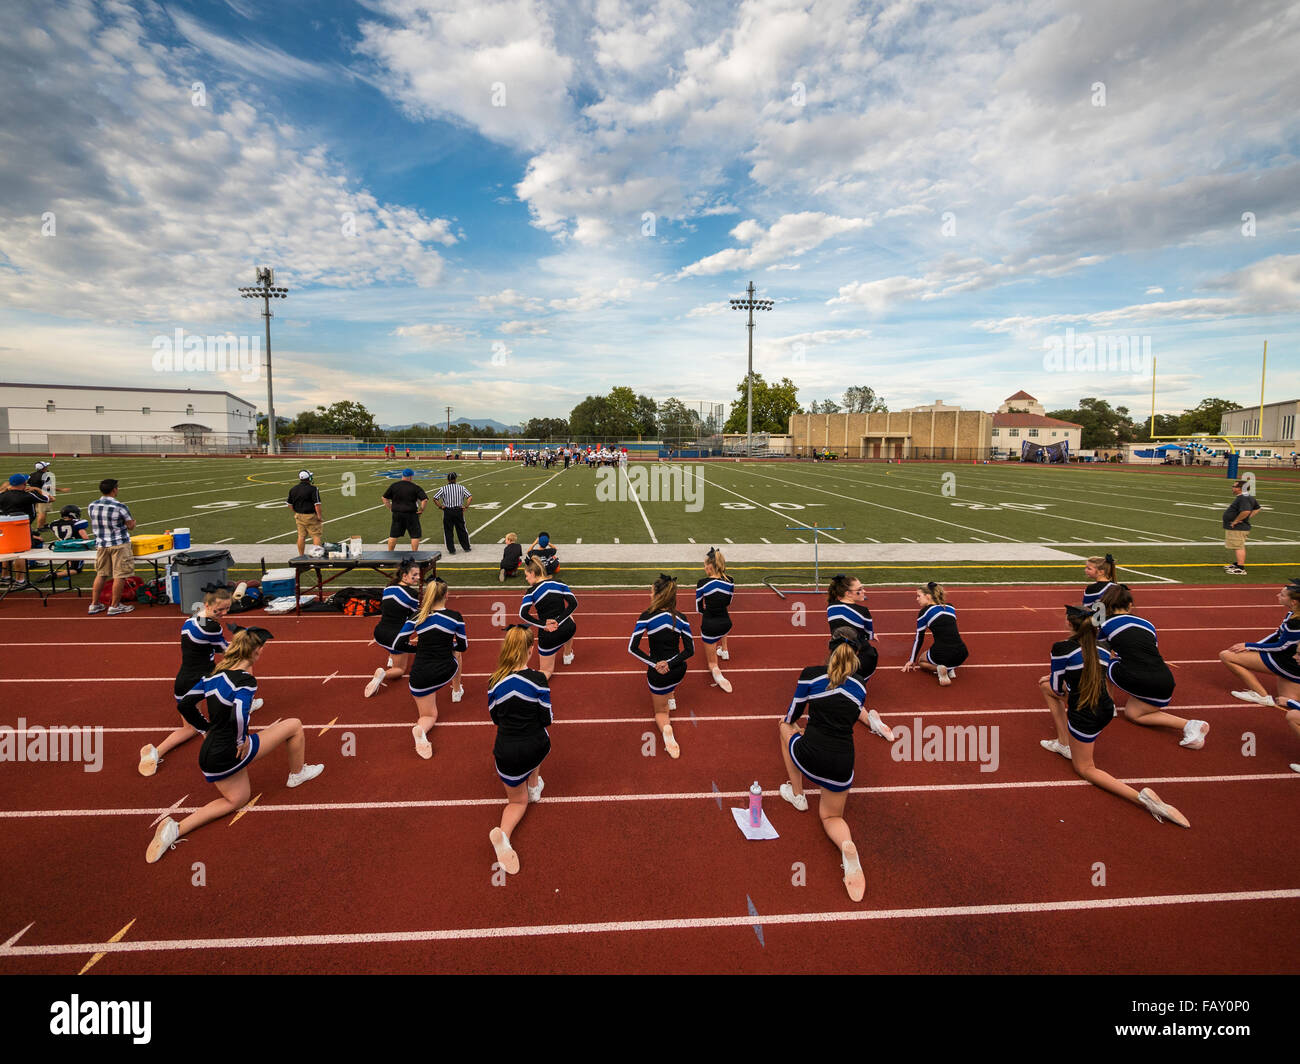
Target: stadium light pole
[[266, 290], [750, 304]]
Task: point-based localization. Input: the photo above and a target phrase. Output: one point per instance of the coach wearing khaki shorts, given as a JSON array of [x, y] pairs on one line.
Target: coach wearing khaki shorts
[[1236, 526], [111, 523], [305, 500]]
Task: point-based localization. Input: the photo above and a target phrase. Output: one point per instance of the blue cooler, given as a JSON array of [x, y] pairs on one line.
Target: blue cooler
[[181, 539], [276, 583]]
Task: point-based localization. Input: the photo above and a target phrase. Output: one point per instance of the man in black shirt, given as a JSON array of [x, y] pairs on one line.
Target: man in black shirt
[[1236, 526], [305, 500], [18, 501], [406, 499]]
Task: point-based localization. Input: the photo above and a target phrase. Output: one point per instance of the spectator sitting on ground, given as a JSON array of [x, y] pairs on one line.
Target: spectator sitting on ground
[[511, 557], [544, 551]]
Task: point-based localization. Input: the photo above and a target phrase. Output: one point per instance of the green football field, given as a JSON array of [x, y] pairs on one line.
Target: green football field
[[1160, 524]]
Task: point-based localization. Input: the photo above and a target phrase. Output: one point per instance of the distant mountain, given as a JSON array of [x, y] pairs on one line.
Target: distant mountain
[[495, 426]]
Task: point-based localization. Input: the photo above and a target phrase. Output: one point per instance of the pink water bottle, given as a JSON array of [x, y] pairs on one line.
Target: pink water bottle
[[755, 805]]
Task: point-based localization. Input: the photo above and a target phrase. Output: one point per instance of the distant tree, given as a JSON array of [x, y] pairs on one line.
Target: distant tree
[[773, 405], [590, 417], [345, 418], [677, 420], [1166, 425], [284, 427], [1103, 426], [1206, 416], [826, 406], [860, 399], [545, 428], [621, 413]]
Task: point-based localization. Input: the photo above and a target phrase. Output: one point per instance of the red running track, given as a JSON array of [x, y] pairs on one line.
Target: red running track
[[629, 864]]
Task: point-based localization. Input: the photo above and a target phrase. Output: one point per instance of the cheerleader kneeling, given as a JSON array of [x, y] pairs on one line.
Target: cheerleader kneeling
[[1081, 707], [519, 703], [401, 601], [202, 639], [823, 751], [671, 643], [228, 746]]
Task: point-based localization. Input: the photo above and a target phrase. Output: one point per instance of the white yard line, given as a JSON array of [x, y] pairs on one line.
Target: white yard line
[[1162, 579], [1074, 518], [327, 521], [502, 513], [882, 506], [784, 516], [636, 499]]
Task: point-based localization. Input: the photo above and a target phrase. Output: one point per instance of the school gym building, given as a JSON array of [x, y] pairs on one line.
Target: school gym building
[[74, 419], [939, 434]]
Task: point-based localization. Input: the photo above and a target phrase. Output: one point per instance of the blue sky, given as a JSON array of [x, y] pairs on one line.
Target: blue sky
[[505, 206]]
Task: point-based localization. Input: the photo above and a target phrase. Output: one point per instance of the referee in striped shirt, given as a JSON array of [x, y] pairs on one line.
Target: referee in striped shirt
[[452, 500]]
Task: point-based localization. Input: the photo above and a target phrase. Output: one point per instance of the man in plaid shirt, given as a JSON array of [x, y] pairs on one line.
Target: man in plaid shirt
[[111, 523]]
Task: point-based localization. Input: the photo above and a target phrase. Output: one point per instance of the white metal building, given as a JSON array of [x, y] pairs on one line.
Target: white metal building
[[1278, 427], [43, 418]]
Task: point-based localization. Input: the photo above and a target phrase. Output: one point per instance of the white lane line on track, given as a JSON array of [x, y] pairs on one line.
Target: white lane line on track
[[170, 618], [722, 718], [696, 923], [567, 672], [611, 638], [669, 796]]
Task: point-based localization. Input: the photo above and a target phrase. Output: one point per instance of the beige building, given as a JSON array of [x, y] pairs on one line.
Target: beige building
[[1031, 423], [947, 434]]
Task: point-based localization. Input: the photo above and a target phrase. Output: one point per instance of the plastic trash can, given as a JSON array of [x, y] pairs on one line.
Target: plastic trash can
[[193, 569]]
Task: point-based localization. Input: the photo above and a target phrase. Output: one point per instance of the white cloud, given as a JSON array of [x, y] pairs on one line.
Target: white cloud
[[431, 334], [595, 296], [161, 208], [253, 58], [508, 297], [791, 234], [709, 310], [493, 66], [1271, 286], [530, 328], [823, 336]]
